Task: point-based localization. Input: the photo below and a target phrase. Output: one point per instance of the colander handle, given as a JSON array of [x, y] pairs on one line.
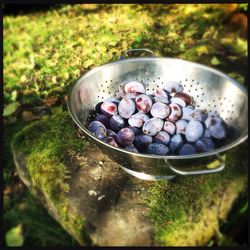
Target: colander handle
[[136, 50], [200, 171]]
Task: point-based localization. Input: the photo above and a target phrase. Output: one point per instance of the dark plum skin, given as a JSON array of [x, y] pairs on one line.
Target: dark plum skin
[[172, 118], [131, 96], [204, 144], [143, 103], [187, 149], [98, 107], [181, 126], [185, 97], [216, 126], [151, 96], [112, 99], [141, 142], [126, 108], [125, 137], [187, 113], [194, 131], [175, 108], [169, 127], [175, 143], [199, 115], [98, 129], [135, 130], [161, 93], [109, 108], [175, 112], [157, 149], [152, 126], [120, 93], [160, 110], [191, 106], [131, 148], [173, 87], [161, 99], [218, 129], [111, 133], [164, 122], [162, 137], [212, 113], [178, 101], [111, 141], [209, 121], [116, 122], [138, 119], [134, 87], [103, 119], [207, 133]]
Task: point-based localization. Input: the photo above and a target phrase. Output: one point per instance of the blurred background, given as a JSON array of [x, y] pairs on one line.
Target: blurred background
[[47, 47]]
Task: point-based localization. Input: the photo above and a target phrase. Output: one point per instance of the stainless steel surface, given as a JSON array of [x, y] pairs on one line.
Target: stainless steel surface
[[210, 89], [148, 51], [216, 169], [147, 177]]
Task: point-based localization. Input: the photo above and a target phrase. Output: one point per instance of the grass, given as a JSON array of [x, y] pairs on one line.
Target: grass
[[39, 228], [199, 192], [46, 51], [45, 59]]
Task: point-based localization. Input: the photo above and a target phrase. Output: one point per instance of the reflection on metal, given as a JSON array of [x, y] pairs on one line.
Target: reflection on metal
[[216, 169], [147, 177]]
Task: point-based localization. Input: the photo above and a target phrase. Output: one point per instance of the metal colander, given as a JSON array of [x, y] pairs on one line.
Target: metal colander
[[211, 91]]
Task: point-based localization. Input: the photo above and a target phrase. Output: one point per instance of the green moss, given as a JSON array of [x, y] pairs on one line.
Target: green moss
[[48, 174], [178, 205], [47, 144], [73, 223]]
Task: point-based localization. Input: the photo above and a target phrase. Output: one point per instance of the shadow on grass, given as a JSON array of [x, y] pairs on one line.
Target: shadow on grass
[[39, 228], [25, 9], [19, 9]]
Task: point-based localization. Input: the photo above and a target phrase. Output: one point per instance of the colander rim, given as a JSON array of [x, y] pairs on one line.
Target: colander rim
[[174, 157]]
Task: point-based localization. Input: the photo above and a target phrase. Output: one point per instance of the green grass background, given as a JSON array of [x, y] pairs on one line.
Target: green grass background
[[46, 51]]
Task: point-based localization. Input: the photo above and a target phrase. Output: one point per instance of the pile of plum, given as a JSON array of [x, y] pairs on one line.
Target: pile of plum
[[162, 123]]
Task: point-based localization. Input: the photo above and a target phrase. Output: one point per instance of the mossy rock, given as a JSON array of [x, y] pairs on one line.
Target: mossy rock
[[99, 204]]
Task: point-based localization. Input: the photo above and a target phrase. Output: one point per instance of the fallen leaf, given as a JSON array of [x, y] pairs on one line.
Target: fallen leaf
[[50, 100], [190, 33], [215, 61], [112, 43], [54, 80], [14, 237], [202, 50], [23, 78], [11, 108], [173, 35]]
